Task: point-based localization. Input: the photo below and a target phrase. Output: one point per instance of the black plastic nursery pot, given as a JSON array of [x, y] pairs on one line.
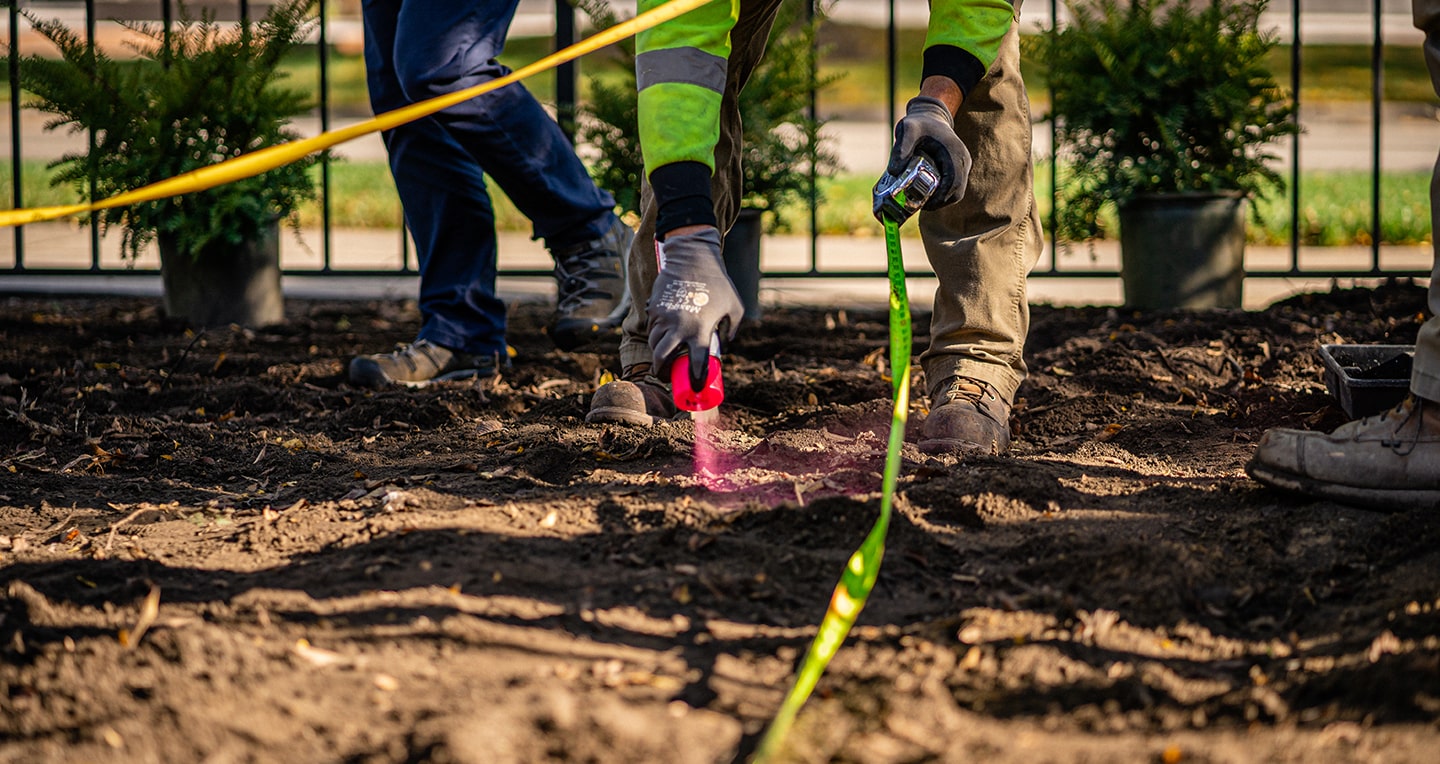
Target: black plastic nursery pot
[[1183, 250], [742, 259], [224, 285], [1367, 379]]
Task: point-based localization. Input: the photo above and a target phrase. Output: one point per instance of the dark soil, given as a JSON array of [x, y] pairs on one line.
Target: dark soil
[[214, 549]]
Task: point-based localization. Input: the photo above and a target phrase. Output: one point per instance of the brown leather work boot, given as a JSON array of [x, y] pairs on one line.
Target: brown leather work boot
[[966, 416], [1387, 462], [638, 398]]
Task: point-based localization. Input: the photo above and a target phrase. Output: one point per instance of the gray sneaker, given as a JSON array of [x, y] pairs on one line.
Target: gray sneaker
[[590, 279], [419, 364], [638, 398], [966, 416]]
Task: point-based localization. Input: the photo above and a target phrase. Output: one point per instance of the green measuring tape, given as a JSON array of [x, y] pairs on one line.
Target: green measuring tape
[[864, 566]]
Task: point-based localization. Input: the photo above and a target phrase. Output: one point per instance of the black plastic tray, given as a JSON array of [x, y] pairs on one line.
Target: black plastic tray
[[1367, 379]]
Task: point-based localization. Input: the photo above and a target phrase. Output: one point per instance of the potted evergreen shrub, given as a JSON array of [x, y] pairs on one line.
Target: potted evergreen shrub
[[195, 94], [782, 143], [1167, 114]]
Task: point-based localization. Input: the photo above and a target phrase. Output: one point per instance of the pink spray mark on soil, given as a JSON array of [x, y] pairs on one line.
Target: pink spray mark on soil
[[712, 465], [829, 473]]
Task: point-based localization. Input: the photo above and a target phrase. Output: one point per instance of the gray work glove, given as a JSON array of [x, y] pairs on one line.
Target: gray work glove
[[928, 128], [692, 300]]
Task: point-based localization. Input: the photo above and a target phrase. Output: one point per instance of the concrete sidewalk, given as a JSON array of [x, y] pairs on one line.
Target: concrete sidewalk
[[60, 245]]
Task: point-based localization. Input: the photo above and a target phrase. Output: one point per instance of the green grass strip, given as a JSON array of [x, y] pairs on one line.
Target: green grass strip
[[863, 568]]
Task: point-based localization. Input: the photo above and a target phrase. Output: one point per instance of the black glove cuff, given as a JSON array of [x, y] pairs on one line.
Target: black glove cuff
[[930, 104], [682, 197]]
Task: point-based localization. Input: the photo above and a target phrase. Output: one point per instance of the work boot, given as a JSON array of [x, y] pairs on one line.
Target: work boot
[[966, 416], [1388, 462], [638, 397], [590, 279], [419, 364]]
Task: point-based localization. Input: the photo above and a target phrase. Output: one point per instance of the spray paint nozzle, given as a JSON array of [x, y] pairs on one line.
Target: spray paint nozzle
[[695, 381]]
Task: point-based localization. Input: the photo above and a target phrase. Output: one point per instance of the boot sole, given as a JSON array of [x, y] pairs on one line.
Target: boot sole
[[454, 376], [1376, 499], [571, 334], [384, 380], [950, 446], [621, 416]]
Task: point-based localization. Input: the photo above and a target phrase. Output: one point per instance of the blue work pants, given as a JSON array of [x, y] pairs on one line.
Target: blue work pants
[[418, 49]]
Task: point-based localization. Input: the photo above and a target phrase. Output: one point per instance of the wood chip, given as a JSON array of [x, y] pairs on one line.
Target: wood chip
[[317, 656], [149, 611]]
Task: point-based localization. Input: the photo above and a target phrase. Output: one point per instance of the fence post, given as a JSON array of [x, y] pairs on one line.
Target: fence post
[[1295, 139], [324, 106], [1377, 85], [90, 146], [16, 175], [1054, 159], [813, 112], [565, 73]]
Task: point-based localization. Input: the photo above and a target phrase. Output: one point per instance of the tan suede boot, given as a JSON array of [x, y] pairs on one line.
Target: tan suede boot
[[1387, 462], [421, 363]]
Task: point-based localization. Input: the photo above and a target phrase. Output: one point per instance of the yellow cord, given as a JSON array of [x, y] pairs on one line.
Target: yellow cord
[[858, 578], [256, 162]]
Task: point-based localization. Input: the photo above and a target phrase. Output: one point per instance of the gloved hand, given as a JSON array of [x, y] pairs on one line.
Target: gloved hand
[[929, 129], [692, 299]]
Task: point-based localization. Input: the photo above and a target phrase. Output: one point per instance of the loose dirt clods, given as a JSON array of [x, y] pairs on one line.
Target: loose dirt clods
[[212, 547]]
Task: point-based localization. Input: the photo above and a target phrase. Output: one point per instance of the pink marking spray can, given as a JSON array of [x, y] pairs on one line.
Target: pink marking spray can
[[697, 389]]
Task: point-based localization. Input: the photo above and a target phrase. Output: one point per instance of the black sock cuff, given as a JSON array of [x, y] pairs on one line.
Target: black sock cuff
[[954, 62], [682, 196]]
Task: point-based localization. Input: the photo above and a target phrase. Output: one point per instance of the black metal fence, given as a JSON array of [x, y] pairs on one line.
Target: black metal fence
[[566, 94]]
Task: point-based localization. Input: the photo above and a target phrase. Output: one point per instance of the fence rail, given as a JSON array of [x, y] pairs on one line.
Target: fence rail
[[1381, 19]]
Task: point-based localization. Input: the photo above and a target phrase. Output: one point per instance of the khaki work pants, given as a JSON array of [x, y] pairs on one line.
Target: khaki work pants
[[980, 248], [983, 247], [1425, 379]]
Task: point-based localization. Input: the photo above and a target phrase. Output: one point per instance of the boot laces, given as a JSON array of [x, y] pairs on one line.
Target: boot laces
[[578, 274], [973, 390], [576, 278], [1402, 444], [411, 352], [635, 373]]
